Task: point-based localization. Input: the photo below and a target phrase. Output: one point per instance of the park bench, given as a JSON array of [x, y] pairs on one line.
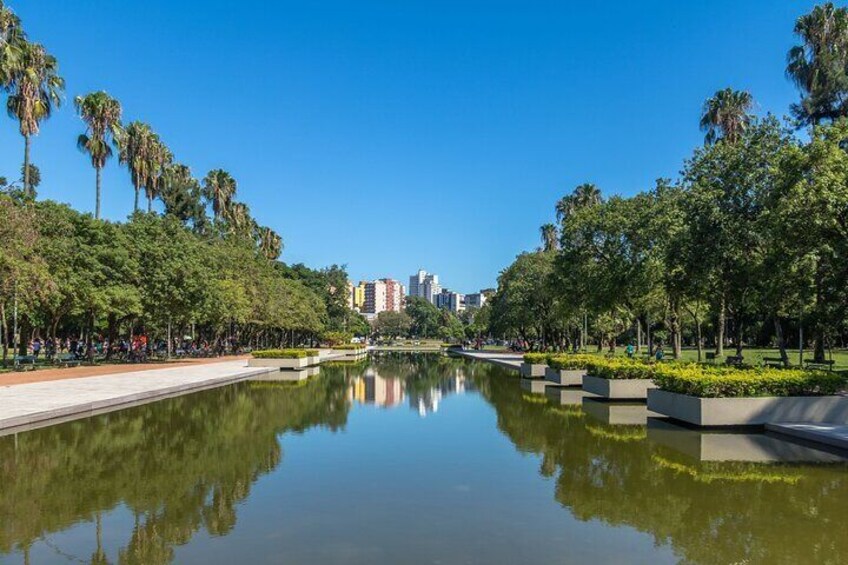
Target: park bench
[[67, 360], [24, 362], [818, 365], [734, 360], [773, 362], [710, 356]]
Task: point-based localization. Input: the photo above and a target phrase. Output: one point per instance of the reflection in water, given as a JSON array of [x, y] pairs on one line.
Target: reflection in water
[[180, 471]]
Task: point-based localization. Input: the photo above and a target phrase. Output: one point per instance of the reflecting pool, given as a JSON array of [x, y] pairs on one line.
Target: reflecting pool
[[411, 458]]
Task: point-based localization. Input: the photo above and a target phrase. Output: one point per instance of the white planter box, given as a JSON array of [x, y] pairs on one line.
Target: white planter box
[[566, 396], [310, 361], [618, 389], [286, 376], [755, 411], [532, 370], [298, 363], [565, 377]]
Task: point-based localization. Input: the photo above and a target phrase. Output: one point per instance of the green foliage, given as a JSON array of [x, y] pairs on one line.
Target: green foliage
[[285, 353], [620, 369], [426, 318], [536, 358], [392, 324], [694, 380], [348, 347], [570, 362], [335, 339]]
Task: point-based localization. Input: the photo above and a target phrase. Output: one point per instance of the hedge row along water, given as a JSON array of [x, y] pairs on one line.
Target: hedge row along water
[[704, 381], [285, 353]]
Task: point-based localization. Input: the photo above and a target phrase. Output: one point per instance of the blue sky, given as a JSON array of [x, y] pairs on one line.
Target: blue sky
[[396, 135]]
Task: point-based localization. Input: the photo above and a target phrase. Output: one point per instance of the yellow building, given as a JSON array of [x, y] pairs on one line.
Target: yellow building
[[358, 296]]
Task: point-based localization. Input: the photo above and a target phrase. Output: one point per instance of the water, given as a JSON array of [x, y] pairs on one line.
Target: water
[[411, 459]]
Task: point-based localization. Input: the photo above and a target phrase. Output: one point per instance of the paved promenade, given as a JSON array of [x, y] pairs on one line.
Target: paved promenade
[[506, 360], [44, 403]]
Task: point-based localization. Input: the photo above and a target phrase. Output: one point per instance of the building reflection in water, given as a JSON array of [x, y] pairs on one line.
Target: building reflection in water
[[388, 392]]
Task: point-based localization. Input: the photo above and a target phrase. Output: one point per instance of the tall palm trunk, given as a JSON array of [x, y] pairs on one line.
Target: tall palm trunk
[[135, 203], [26, 165], [149, 204], [97, 197], [720, 329], [781, 342]]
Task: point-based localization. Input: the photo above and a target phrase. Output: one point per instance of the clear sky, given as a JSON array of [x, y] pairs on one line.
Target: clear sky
[[390, 135]]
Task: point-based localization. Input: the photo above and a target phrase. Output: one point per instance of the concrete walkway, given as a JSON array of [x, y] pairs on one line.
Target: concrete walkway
[[506, 360], [45, 403]]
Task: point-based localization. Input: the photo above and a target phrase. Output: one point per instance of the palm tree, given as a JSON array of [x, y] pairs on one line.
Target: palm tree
[[587, 194], [239, 219], [269, 242], [219, 189], [160, 159], [12, 37], [102, 116], [819, 66], [135, 147], [549, 237], [726, 115], [36, 88]]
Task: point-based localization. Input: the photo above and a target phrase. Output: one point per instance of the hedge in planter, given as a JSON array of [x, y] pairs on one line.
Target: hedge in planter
[[285, 353], [620, 369], [348, 347], [571, 362], [536, 358], [703, 382]]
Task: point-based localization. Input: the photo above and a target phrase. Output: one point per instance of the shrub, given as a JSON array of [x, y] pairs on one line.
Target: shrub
[[284, 353], [571, 362], [536, 358], [348, 347], [620, 369], [694, 380]]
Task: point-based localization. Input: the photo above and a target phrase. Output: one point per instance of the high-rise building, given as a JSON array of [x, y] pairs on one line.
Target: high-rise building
[[475, 301], [375, 297], [453, 301], [425, 285], [357, 296], [395, 295]]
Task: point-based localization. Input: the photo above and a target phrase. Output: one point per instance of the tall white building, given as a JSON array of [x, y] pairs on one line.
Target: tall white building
[[425, 285], [453, 301], [382, 295]]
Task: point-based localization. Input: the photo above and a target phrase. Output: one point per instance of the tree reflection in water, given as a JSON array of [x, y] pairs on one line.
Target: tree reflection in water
[[183, 466]]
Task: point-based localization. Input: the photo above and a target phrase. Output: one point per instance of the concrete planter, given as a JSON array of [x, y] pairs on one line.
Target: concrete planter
[[298, 363], [286, 376], [618, 389], [532, 370], [748, 411], [565, 377], [316, 360]]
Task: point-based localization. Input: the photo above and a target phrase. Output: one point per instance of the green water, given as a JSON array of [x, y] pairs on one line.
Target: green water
[[411, 459]]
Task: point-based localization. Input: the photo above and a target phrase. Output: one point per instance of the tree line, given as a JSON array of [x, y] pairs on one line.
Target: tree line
[[65, 273], [749, 246]]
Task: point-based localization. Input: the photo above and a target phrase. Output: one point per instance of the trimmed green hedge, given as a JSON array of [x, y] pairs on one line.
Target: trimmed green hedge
[[536, 358], [562, 362], [285, 353], [348, 347], [620, 369], [694, 380]]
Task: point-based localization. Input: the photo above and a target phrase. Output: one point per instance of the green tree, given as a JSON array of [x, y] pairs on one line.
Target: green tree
[[392, 324], [819, 65], [36, 88], [426, 318], [135, 150], [549, 237], [102, 116], [726, 115], [219, 189]]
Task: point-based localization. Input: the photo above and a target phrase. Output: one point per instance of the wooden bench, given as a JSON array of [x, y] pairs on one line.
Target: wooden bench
[[773, 362], [24, 362], [68, 360], [734, 360], [818, 365]]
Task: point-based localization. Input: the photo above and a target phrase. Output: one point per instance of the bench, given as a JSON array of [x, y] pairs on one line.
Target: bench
[[773, 362], [818, 365], [24, 362], [734, 360], [67, 360], [710, 356]]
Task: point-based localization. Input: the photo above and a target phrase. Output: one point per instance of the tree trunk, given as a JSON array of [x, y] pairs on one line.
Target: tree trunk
[[638, 335], [674, 326], [149, 204], [781, 342], [720, 329], [135, 202], [4, 331], [739, 330], [26, 166], [97, 197]]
